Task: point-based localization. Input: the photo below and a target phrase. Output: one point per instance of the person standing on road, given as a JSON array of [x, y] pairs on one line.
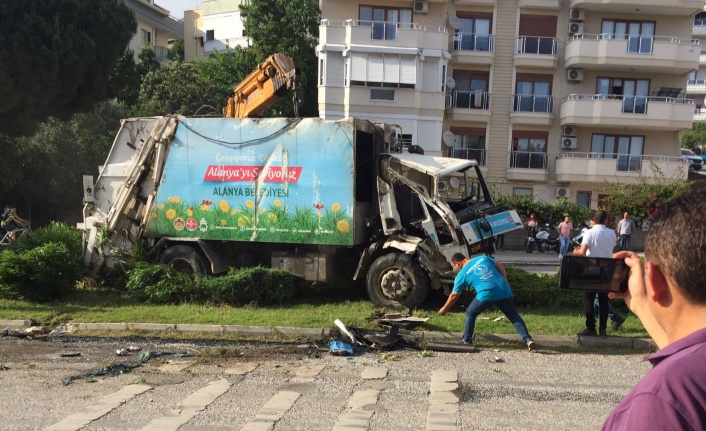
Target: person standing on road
[[625, 228], [564, 230], [668, 294], [489, 278], [532, 222], [598, 241]]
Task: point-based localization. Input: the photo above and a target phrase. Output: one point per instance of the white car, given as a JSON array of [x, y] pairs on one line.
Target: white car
[[695, 162]]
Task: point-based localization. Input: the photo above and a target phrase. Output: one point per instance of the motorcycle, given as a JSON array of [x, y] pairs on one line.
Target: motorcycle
[[543, 240], [576, 241]]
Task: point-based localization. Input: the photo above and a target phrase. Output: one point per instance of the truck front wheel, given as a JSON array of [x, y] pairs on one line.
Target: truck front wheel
[[184, 259], [395, 279]]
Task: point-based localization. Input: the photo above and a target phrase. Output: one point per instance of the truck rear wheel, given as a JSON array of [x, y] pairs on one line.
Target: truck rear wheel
[[184, 259], [395, 279]]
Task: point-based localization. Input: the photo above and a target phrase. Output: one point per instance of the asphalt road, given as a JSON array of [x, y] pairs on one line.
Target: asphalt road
[[241, 386]]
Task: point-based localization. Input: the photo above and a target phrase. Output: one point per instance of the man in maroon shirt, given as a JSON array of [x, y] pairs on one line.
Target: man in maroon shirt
[[668, 294]]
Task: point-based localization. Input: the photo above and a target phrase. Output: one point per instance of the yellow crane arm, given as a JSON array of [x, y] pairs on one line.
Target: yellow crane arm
[[273, 79]]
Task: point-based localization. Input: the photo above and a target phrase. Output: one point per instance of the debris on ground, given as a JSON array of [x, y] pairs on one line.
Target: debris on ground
[[32, 333], [112, 369], [70, 354], [496, 360], [402, 320], [339, 348]]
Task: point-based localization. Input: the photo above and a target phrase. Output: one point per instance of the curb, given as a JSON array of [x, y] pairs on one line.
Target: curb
[[15, 324], [640, 344]]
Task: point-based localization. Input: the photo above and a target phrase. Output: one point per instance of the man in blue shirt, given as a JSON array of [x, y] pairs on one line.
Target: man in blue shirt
[[489, 279]]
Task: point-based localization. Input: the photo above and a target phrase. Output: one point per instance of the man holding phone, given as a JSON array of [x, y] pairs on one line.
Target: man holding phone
[[597, 242], [668, 295]]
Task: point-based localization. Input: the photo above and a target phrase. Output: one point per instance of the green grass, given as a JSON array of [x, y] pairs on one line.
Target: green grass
[[318, 308]]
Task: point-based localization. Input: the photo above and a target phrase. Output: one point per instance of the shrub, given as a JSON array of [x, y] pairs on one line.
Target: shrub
[[44, 273], [55, 232], [252, 285], [162, 284], [540, 290]]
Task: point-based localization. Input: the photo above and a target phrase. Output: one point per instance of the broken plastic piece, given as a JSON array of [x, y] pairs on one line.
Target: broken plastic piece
[[345, 330], [340, 348]]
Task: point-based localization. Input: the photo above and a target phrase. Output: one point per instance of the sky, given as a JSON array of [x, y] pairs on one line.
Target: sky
[[176, 8]]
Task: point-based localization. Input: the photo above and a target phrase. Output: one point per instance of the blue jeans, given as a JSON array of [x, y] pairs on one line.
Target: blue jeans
[[565, 241], [507, 306], [612, 314], [624, 241]]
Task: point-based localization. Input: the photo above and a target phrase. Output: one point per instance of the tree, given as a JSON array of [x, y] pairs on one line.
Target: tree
[[290, 27], [174, 89], [176, 53], [696, 136], [147, 61], [56, 57], [124, 82], [223, 71]]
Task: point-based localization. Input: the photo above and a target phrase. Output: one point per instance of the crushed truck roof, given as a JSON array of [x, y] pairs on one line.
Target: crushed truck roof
[[433, 165]]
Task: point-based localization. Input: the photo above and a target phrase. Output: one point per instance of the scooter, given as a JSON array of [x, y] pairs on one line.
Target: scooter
[[543, 241], [576, 241]]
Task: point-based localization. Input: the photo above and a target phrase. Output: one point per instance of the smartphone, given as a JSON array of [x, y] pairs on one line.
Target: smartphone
[[594, 274]]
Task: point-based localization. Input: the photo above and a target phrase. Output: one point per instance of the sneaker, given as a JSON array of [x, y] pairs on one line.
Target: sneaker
[[603, 333], [531, 344], [617, 323], [588, 333], [464, 342]]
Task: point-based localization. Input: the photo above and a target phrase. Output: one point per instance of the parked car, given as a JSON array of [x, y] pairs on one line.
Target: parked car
[[695, 162]]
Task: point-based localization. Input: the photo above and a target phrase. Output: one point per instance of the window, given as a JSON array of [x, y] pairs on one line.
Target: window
[[385, 20], [377, 94], [474, 34], [639, 34], [210, 35], [633, 92], [146, 36], [383, 70], [626, 149], [583, 199], [537, 34], [405, 140], [471, 90], [469, 144], [533, 93], [529, 150], [700, 19], [322, 69], [522, 191]]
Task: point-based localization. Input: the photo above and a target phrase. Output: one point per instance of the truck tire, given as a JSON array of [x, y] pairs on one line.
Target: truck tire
[[184, 259], [395, 279]]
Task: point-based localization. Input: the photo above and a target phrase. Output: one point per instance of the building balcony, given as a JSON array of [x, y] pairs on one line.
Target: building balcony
[[651, 7], [379, 35], [599, 168], [696, 86], [468, 106], [640, 112], [541, 4], [534, 110], [470, 48], [699, 27], [536, 52], [527, 166], [476, 2], [699, 115], [661, 54]]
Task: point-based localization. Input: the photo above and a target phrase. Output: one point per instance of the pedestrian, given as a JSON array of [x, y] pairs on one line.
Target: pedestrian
[[668, 294], [489, 279], [532, 221], [625, 228], [598, 241], [564, 230], [500, 242]]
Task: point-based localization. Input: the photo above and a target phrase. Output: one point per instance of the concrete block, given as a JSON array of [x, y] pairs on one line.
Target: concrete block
[[443, 336], [644, 344], [315, 333], [213, 329], [444, 376], [157, 327], [248, 331], [616, 342], [15, 324], [371, 373], [101, 326]]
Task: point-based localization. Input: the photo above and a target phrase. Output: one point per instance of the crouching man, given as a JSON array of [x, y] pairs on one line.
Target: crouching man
[[489, 279]]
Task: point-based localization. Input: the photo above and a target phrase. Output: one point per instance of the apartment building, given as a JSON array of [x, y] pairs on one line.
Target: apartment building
[[696, 85], [217, 26], [155, 28], [552, 97]]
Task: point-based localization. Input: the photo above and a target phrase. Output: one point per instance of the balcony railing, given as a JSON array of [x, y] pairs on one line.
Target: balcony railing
[[474, 42], [528, 160], [469, 154], [162, 52], [631, 104], [623, 162], [532, 103], [383, 30], [468, 100], [636, 44], [696, 82], [536, 45]]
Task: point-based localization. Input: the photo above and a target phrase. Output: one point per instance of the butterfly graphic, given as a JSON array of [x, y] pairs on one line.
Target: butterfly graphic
[[206, 202]]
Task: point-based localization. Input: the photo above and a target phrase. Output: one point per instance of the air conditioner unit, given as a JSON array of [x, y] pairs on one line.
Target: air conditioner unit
[[568, 143], [576, 14], [442, 186], [575, 27], [563, 192], [568, 131], [421, 6], [574, 75]]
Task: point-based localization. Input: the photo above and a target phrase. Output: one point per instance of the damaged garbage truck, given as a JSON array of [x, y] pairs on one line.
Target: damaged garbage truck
[[319, 198]]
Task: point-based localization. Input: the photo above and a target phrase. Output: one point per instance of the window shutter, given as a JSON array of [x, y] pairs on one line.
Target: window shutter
[[358, 67], [392, 68], [408, 69], [375, 67]]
